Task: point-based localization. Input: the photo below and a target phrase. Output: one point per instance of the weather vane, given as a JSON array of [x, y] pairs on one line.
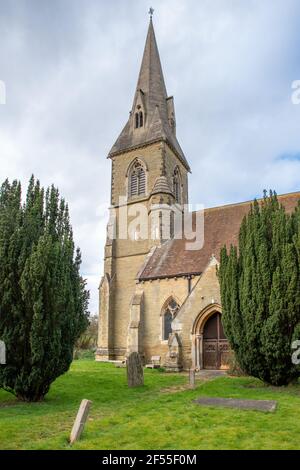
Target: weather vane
[[151, 11]]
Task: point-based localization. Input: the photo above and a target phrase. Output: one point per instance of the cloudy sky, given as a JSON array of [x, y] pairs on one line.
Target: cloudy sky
[[70, 69]]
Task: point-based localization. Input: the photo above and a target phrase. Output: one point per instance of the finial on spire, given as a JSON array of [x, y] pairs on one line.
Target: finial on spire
[[151, 11]]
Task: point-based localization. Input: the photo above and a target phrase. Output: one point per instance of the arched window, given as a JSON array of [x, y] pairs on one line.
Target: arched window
[[141, 120], [177, 184], [136, 120], [167, 325], [137, 185], [169, 314]]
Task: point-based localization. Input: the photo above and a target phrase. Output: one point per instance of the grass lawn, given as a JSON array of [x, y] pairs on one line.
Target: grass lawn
[[158, 416]]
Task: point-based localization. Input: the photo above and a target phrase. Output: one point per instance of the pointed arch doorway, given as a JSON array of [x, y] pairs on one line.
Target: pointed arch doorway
[[211, 348]]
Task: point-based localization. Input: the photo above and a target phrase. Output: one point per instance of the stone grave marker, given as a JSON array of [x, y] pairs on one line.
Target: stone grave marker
[[135, 372], [241, 404], [80, 420]]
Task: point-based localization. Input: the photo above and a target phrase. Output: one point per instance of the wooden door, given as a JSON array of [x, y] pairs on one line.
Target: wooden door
[[216, 348]]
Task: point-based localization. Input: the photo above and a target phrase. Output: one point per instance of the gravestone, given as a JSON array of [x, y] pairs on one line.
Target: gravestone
[[135, 372], [241, 404], [80, 420], [192, 378]]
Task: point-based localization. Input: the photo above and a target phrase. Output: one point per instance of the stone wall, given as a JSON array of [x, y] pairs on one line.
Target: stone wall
[[204, 296], [156, 294], [125, 257]]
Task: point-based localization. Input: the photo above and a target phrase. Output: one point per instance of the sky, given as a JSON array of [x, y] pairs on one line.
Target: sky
[[70, 69]]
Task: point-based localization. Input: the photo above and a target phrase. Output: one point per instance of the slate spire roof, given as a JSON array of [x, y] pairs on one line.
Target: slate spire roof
[[152, 100]]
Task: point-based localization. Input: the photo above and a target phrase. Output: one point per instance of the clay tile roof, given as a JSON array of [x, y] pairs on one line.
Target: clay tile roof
[[161, 186], [221, 227]]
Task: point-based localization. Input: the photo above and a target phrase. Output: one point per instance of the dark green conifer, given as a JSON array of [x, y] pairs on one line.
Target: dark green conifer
[[43, 299], [260, 291]]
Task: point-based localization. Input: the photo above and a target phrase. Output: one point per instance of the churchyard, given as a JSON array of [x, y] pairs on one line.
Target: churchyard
[[161, 414]]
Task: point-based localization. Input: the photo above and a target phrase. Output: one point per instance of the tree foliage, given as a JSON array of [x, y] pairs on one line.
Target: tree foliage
[[260, 291], [88, 339], [43, 299]]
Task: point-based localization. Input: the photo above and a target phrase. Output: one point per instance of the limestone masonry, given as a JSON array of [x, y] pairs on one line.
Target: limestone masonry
[[157, 297]]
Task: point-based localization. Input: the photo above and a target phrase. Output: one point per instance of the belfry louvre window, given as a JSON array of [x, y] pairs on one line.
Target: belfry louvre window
[[139, 119], [137, 180], [168, 316]]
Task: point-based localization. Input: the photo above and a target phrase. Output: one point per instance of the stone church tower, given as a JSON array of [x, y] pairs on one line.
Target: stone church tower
[[149, 168], [159, 297]]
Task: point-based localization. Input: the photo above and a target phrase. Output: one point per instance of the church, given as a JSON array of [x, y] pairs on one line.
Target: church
[[157, 297]]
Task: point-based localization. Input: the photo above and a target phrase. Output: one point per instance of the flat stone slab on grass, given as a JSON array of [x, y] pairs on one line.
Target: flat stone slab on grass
[[258, 405]]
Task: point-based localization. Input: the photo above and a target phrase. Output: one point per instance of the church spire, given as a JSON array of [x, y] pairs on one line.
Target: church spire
[[151, 80], [152, 117]]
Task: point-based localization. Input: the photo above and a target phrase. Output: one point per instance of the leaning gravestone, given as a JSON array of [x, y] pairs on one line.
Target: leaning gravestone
[[135, 372], [80, 420]]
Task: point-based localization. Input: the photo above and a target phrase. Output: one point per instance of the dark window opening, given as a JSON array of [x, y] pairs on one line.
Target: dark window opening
[[136, 120], [169, 315], [167, 325], [141, 119]]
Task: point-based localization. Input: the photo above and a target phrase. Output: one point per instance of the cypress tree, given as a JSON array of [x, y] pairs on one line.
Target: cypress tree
[[43, 299], [260, 291]]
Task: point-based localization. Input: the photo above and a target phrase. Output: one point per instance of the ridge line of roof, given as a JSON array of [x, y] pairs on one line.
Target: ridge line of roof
[[250, 201]]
